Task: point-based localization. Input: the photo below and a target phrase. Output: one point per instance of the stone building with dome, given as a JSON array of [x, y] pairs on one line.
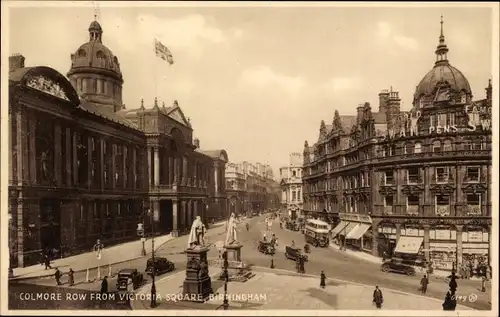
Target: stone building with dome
[[414, 183], [82, 167]]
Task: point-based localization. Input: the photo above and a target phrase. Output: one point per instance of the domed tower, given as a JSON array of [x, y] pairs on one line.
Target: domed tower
[[95, 72], [443, 82]]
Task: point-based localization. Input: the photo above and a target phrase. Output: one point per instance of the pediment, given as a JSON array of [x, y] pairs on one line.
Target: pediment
[[177, 114]]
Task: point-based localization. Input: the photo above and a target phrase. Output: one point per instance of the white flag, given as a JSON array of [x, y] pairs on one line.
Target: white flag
[[163, 52]]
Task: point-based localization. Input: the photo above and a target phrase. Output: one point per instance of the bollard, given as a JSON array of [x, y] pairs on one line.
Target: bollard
[[109, 270], [98, 273], [87, 278]]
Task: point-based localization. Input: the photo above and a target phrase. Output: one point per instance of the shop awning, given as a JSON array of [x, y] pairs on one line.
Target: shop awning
[[409, 245], [339, 228], [358, 231], [348, 228]]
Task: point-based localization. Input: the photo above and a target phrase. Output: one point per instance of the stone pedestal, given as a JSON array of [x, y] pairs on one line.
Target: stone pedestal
[[234, 252], [197, 285]]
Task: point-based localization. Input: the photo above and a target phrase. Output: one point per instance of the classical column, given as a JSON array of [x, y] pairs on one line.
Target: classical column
[[75, 158], [102, 162], [134, 164], [189, 213], [216, 179], [176, 170], [57, 154], [125, 167], [157, 166], [69, 164], [170, 170], [20, 230], [375, 239], [398, 232], [183, 216], [156, 211], [21, 146], [459, 246], [175, 218], [428, 199], [150, 170], [90, 144], [113, 165], [32, 150], [427, 244], [195, 208]]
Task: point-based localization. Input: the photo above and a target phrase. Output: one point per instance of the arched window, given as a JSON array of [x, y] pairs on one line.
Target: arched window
[[436, 146], [99, 55], [447, 145], [418, 147], [82, 53], [115, 60]]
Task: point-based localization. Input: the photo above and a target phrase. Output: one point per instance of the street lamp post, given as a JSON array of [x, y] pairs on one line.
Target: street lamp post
[[11, 271], [225, 303], [153, 285]]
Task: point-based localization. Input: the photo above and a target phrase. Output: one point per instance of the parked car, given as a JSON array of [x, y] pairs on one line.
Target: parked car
[[162, 265], [397, 265], [123, 276]]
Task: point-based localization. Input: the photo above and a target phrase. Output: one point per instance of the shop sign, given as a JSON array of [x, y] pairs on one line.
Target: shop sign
[[442, 234], [475, 236], [412, 232]]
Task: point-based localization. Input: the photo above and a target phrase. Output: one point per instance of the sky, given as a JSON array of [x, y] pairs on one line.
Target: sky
[[257, 81]]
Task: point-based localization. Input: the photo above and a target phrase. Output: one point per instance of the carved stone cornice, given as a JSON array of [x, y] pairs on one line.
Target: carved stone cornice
[[412, 189], [474, 188], [387, 190], [443, 188]]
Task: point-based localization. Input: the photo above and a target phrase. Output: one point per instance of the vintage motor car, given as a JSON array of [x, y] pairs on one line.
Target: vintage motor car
[[293, 253], [292, 225], [316, 233], [162, 265], [125, 274], [396, 265], [266, 247]]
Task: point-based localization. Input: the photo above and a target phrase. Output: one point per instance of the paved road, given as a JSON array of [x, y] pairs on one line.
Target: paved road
[[336, 264]]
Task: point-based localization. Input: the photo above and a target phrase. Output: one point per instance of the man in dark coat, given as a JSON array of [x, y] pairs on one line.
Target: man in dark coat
[[71, 277], [57, 275], [322, 284], [423, 284], [378, 298], [104, 285], [46, 260]]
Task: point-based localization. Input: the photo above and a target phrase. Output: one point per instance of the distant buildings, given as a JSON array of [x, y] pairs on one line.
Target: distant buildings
[[417, 182], [83, 168], [250, 188], [291, 186]]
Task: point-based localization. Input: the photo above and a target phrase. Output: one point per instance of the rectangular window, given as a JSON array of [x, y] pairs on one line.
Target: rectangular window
[[442, 205], [299, 195], [389, 178], [473, 204], [451, 118], [388, 202], [442, 119], [412, 175], [442, 175], [473, 174], [294, 195]]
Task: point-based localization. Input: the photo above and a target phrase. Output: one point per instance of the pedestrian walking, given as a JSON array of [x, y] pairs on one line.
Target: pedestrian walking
[[104, 286], [57, 276], [322, 283], [423, 284], [297, 264], [46, 260], [378, 298], [483, 283], [71, 277]]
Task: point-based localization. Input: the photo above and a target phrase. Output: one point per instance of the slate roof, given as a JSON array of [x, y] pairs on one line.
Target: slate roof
[[107, 112]]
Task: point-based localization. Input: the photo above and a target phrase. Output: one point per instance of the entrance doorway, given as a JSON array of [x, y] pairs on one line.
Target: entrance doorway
[[166, 217], [50, 226]]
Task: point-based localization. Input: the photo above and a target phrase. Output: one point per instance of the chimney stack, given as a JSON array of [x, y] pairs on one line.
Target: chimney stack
[[16, 61], [393, 108], [383, 96], [196, 143], [360, 110]]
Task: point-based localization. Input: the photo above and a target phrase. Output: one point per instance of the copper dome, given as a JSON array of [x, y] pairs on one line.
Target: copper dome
[[442, 73], [94, 54]]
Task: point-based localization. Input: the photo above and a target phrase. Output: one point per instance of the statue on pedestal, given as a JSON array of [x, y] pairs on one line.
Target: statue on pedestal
[[197, 234], [231, 236]]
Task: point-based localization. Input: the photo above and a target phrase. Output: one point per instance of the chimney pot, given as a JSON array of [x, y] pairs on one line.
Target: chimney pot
[[16, 61]]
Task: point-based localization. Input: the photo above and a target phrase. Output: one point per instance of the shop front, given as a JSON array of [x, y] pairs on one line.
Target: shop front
[[351, 230], [409, 231], [387, 238], [443, 247], [475, 247]]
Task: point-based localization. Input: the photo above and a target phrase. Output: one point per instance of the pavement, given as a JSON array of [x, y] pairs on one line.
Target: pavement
[[265, 291], [111, 256]]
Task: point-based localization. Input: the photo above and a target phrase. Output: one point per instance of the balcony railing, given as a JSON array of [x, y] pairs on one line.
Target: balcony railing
[[442, 210], [473, 210], [412, 209], [387, 210]]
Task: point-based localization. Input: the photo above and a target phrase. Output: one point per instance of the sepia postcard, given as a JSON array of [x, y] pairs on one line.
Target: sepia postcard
[[249, 158]]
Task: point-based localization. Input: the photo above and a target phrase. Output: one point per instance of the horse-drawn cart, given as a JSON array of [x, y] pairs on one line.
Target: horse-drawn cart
[[266, 247]]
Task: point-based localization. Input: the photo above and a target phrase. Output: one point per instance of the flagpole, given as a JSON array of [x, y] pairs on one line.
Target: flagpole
[[155, 75]]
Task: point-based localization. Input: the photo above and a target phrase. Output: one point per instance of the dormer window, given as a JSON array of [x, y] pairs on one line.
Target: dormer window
[[463, 98], [421, 102], [82, 53]]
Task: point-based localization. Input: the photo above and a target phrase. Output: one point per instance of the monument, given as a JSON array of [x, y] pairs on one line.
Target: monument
[[197, 284], [237, 270]]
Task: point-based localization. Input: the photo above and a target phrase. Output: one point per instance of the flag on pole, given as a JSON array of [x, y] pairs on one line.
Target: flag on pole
[[163, 52]]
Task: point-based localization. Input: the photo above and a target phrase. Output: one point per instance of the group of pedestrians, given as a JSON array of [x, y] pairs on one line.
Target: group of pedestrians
[[71, 276]]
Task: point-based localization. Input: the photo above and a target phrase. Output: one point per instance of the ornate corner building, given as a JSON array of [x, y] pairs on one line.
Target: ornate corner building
[[250, 188], [291, 186], [82, 167], [421, 176]]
